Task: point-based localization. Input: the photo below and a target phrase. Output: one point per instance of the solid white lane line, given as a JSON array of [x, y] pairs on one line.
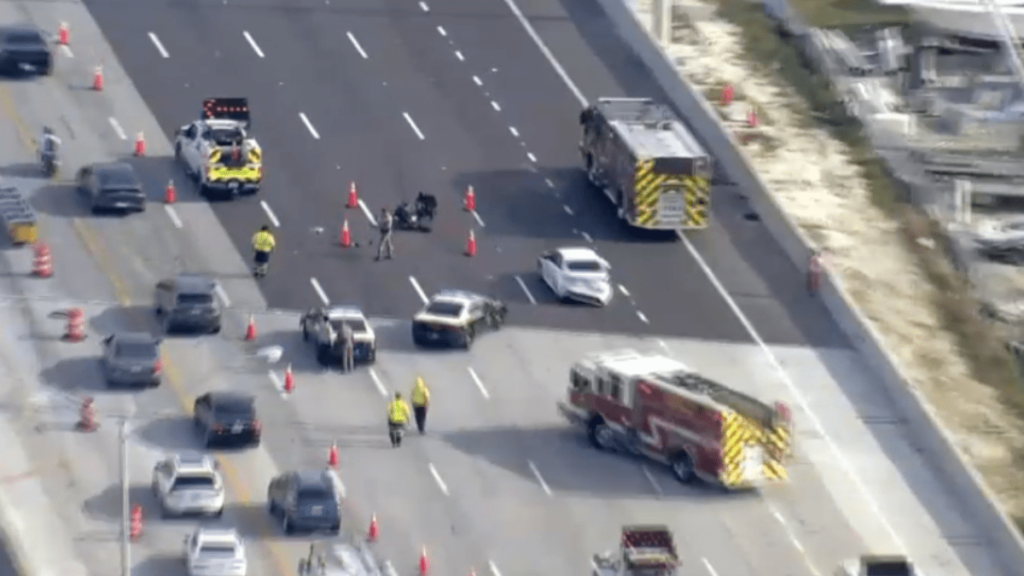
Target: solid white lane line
[[367, 213], [710, 568], [567, 209], [424, 7], [642, 317], [794, 540], [419, 291], [117, 128], [549, 182], [377, 382], [459, 56], [623, 290], [270, 214], [222, 295], [495, 106], [513, 130], [412, 124], [525, 289], [276, 381], [173, 215], [309, 125], [441, 31], [255, 46], [478, 219], [547, 53], [159, 46], [355, 43], [650, 478], [437, 478], [587, 237], [493, 567], [479, 383], [801, 400], [531, 156], [540, 479], [319, 291], [477, 81]]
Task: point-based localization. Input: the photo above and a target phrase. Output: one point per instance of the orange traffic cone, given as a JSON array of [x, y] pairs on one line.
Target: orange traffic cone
[[140, 144], [42, 261], [332, 455], [752, 118], [471, 244], [424, 562], [374, 531], [250, 329], [170, 194], [346, 236], [289, 380], [470, 202], [97, 78], [63, 34], [353, 196]]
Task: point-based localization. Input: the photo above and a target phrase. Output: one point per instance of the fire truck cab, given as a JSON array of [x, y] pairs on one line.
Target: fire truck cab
[[644, 550], [655, 406], [645, 160]]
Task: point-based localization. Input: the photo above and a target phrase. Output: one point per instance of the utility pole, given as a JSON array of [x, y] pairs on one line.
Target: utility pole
[[126, 546]]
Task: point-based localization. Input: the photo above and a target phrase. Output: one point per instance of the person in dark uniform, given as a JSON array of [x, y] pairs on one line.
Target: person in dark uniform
[[385, 225], [348, 345]]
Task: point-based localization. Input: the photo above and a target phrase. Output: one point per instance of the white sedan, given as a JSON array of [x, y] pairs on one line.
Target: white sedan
[[577, 274], [215, 552]]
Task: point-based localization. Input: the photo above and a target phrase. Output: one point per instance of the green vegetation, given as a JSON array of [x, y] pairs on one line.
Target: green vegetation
[[989, 360]]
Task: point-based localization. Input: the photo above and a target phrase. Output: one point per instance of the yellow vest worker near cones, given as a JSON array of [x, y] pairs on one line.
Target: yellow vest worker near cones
[[420, 402]]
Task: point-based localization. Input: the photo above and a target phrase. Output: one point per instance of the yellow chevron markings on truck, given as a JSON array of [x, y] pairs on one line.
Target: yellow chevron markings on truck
[[697, 194], [738, 432]]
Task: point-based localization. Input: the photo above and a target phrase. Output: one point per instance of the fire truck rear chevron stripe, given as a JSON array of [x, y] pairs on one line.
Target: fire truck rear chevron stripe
[[739, 432], [698, 201]]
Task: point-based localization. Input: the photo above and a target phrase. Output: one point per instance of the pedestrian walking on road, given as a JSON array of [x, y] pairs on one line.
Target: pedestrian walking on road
[[385, 226], [420, 402], [398, 416], [348, 347]]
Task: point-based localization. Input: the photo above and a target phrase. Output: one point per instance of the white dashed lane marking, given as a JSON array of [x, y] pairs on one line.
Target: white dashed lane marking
[[442, 32], [309, 125], [252, 43], [367, 213], [278, 384], [540, 479], [222, 295], [319, 290], [623, 290], [460, 56], [413, 125], [419, 291], [549, 182], [159, 45], [173, 215], [531, 156], [479, 383], [642, 317], [270, 214], [352, 39], [117, 128], [67, 51], [477, 81], [526, 290], [438, 479], [377, 382], [478, 219], [424, 7], [495, 106], [513, 130], [587, 237]]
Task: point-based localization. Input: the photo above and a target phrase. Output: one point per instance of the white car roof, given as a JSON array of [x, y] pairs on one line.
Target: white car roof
[[218, 536], [222, 123], [578, 254], [460, 296], [339, 312]]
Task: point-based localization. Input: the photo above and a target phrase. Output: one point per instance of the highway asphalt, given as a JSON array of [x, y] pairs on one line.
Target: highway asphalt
[[404, 98], [499, 483]]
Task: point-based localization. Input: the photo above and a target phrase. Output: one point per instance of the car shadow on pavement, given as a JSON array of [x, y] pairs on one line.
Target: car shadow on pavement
[[124, 319], [161, 565], [569, 464], [106, 506], [170, 434], [59, 200], [77, 375], [22, 170]]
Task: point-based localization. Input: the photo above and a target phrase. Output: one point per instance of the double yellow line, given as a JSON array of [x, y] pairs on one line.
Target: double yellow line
[[173, 377]]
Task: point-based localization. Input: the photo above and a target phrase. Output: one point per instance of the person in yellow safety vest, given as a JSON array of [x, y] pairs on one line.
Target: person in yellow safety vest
[[263, 243], [420, 402], [398, 415]]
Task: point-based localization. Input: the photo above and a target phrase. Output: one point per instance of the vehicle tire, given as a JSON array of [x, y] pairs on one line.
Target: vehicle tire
[[467, 337], [600, 435], [218, 513], [177, 156], [216, 329], [682, 467], [335, 529], [286, 524], [589, 163], [271, 507], [167, 326], [323, 355], [305, 333], [372, 356], [158, 311]]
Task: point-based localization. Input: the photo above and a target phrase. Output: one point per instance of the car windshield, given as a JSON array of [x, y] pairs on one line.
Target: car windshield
[[584, 266], [314, 494], [25, 39], [136, 350], [195, 299], [235, 409], [122, 191], [453, 309], [218, 550], [193, 482], [355, 324]]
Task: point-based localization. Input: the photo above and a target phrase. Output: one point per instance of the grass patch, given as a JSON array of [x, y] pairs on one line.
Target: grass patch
[[987, 356]]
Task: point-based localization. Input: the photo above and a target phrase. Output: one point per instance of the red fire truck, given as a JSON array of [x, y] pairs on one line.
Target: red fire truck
[[655, 406]]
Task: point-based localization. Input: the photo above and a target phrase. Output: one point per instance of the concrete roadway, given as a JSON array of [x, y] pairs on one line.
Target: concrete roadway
[[492, 113], [495, 477]]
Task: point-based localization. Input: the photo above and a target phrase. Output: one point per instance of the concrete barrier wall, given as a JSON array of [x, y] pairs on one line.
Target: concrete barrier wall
[[935, 442]]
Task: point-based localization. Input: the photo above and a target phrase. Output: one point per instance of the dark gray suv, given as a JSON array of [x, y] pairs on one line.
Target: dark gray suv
[[188, 303], [305, 501]]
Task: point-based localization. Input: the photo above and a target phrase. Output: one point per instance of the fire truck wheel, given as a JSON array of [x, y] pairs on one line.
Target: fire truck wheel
[[682, 467], [601, 436]]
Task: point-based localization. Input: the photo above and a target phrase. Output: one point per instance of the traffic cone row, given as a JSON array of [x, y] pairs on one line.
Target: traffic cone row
[[86, 416], [76, 325], [42, 261]]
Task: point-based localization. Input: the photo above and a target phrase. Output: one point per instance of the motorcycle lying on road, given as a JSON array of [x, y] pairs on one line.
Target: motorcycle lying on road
[[418, 218]]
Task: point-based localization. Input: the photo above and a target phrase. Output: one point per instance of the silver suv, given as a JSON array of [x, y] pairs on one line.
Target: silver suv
[[189, 483]]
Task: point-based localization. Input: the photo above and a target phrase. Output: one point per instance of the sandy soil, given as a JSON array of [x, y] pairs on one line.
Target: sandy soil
[[828, 198]]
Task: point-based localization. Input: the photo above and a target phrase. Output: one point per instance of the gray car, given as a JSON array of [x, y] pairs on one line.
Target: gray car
[[187, 302], [305, 501], [131, 359], [111, 187]]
